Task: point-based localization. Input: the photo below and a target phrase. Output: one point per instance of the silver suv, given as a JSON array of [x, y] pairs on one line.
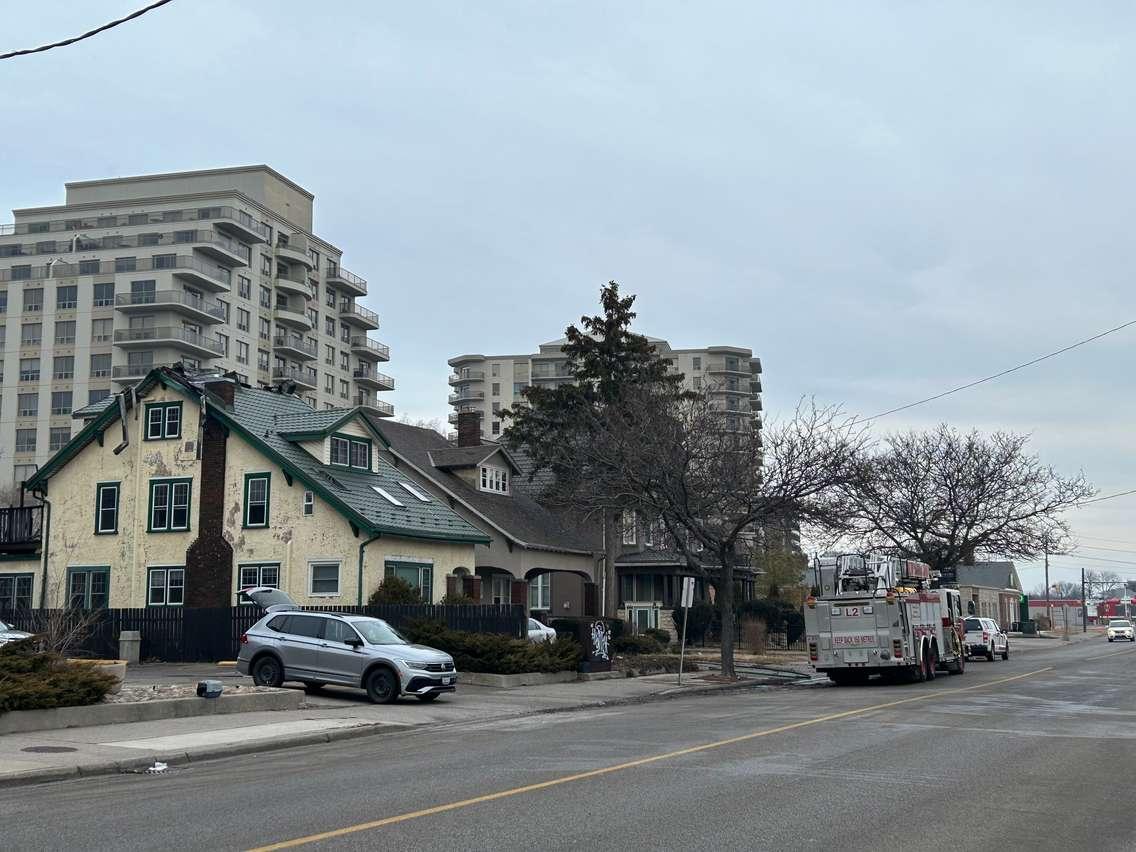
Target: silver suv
[[318, 648]]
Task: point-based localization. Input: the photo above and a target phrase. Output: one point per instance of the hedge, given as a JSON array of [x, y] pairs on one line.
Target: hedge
[[34, 680], [778, 615], [493, 653]]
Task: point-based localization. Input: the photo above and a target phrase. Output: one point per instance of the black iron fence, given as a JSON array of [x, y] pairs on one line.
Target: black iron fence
[[190, 635]]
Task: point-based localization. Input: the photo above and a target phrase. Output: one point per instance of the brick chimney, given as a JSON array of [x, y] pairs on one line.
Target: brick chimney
[[469, 429], [224, 387], [209, 558]]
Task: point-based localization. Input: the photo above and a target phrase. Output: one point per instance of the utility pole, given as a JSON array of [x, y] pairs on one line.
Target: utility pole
[[1084, 606], [1048, 611]]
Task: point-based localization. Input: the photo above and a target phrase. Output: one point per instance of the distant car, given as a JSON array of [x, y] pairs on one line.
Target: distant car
[[984, 638], [8, 633], [1120, 628], [540, 632], [318, 648]]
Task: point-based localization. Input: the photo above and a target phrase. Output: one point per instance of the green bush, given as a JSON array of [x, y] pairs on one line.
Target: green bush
[[494, 653], [663, 637], [636, 644], [34, 680], [457, 600], [702, 617], [395, 590], [651, 663]]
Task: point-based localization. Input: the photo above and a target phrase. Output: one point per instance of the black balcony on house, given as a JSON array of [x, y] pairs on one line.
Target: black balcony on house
[[21, 528]]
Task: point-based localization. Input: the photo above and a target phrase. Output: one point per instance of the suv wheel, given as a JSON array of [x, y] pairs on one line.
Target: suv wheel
[[990, 652], [268, 671], [382, 686]]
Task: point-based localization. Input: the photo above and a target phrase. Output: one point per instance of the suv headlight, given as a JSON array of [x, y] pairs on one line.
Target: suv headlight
[[417, 665]]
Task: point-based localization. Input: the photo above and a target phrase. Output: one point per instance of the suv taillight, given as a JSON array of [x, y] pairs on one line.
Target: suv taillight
[[244, 638], [985, 636]]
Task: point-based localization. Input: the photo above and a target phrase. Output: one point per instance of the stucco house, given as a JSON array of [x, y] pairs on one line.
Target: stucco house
[[990, 590], [185, 489]]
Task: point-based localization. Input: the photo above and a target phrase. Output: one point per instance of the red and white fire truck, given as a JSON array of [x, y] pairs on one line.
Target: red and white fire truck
[[878, 615]]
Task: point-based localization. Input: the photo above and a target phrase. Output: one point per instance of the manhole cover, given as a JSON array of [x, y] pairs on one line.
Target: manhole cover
[[48, 749]]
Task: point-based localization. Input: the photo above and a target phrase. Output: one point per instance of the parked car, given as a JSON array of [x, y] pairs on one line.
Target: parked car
[[984, 638], [540, 632], [318, 648], [1120, 628], [8, 633]]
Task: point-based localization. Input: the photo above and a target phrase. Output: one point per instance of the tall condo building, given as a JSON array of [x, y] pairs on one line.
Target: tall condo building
[[210, 269], [486, 384]]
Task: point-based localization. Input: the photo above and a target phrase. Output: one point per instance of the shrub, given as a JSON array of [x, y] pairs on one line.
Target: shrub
[[701, 618], [457, 600], [755, 635], [34, 680], [663, 637], [636, 644], [652, 663], [395, 590], [495, 653]]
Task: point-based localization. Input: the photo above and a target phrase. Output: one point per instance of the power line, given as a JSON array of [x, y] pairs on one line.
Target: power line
[[1109, 497], [1076, 557], [1003, 373], [1110, 540], [87, 34], [1098, 547]]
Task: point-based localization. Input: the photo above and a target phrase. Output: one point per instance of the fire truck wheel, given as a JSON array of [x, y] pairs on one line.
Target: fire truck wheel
[[932, 660]]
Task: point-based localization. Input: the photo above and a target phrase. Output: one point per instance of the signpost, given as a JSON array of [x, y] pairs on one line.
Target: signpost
[[687, 602]]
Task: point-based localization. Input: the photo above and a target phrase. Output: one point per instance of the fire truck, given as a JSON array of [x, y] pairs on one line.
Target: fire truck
[[879, 615]]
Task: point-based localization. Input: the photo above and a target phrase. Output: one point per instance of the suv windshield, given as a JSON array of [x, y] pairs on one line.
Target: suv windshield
[[973, 624], [378, 632]]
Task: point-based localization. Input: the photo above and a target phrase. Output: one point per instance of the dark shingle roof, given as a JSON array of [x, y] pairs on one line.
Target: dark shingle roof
[[996, 575], [453, 457], [310, 421], [94, 409]]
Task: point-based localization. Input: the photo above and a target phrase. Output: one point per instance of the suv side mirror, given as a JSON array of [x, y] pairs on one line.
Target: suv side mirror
[[354, 642]]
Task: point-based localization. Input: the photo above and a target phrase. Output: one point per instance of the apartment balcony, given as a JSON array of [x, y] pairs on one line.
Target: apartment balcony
[[552, 378], [191, 342], [467, 376], [21, 529], [738, 369], [296, 252], [294, 288], [465, 395], [755, 404], [382, 409], [292, 374], [204, 275], [292, 318], [465, 409], [357, 315], [231, 219], [346, 282], [128, 374], [374, 380], [370, 350], [236, 222], [217, 246], [294, 346], [174, 301], [755, 386]]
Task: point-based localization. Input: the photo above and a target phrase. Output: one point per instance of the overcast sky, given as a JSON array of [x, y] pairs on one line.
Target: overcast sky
[[883, 200]]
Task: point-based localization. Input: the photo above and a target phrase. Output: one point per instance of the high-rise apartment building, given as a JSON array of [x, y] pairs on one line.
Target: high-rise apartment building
[[212, 269], [487, 384]]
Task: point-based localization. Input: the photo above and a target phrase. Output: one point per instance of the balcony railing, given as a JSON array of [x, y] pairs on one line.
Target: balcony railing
[[383, 409], [294, 341], [136, 371], [348, 309], [467, 376], [172, 297], [179, 335], [21, 528], [379, 350], [294, 374], [117, 242], [466, 394], [350, 279], [156, 217], [162, 263], [374, 376]]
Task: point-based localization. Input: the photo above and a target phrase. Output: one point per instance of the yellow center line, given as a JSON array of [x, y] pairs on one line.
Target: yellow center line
[[593, 773]]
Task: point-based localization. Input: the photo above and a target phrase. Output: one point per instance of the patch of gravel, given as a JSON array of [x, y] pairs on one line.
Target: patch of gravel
[[133, 693]]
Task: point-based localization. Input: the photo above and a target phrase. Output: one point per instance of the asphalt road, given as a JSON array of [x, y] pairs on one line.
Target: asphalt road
[[1034, 753]]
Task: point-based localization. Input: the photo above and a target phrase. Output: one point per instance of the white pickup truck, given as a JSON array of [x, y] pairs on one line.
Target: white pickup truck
[[984, 638]]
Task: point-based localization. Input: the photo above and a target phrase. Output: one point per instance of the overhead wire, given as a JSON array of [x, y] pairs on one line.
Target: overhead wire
[[108, 26]]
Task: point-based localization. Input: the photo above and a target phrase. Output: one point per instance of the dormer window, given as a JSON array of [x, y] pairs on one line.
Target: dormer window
[[494, 479], [350, 452]]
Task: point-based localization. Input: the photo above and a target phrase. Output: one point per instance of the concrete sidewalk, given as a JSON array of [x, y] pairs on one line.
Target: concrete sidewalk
[[330, 714]]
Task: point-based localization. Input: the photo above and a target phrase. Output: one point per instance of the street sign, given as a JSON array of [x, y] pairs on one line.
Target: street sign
[[688, 591]]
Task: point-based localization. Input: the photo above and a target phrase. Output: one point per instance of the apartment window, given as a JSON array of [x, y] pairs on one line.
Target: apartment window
[[265, 265], [328, 383], [29, 369], [332, 268], [265, 297], [100, 366], [225, 312], [24, 472], [39, 227], [16, 591], [496, 427], [420, 575], [22, 272], [496, 408], [169, 505], [329, 356], [33, 300], [166, 587], [244, 287], [267, 575], [31, 334], [163, 420], [262, 360], [519, 388], [628, 520], [125, 264], [324, 579], [345, 332], [106, 508], [152, 239], [65, 332], [351, 452], [332, 298], [309, 503], [313, 344], [223, 342], [329, 326], [313, 317], [257, 488], [88, 588], [496, 389], [63, 367], [494, 370], [89, 267], [60, 403], [57, 437], [696, 363], [540, 592], [242, 352], [344, 389], [27, 405], [66, 298], [102, 330], [97, 395], [184, 236], [494, 479], [104, 294], [3, 301], [697, 380], [265, 329], [344, 361]]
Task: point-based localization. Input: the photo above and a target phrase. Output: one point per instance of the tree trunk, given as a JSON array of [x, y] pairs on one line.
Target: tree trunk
[[612, 543], [726, 614]]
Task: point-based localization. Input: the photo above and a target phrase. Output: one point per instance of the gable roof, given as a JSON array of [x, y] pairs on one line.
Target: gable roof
[[995, 575], [517, 516], [450, 458], [254, 416], [309, 424]]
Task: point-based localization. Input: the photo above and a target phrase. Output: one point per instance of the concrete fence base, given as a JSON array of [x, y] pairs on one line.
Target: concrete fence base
[[512, 681]]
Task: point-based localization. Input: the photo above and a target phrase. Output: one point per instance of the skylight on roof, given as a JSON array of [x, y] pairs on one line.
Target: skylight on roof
[[390, 498], [416, 491]]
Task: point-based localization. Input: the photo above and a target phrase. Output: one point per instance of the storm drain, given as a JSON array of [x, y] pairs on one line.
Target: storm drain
[[48, 749]]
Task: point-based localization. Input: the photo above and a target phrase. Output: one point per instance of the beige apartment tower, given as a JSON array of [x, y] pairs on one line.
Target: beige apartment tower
[[215, 269], [487, 384]]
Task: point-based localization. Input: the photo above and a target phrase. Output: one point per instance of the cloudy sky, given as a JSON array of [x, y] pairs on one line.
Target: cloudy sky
[[883, 200]]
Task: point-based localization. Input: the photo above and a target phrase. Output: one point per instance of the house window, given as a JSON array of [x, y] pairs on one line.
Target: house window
[[256, 499], [628, 518], [501, 588], [351, 452], [494, 479], [643, 618], [166, 587], [266, 574], [540, 592], [696, 363], [169, 505], [309, 503], [496, 391], [420, 575], [163, 420], [16, 591], [324, 579], [88, 588]]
